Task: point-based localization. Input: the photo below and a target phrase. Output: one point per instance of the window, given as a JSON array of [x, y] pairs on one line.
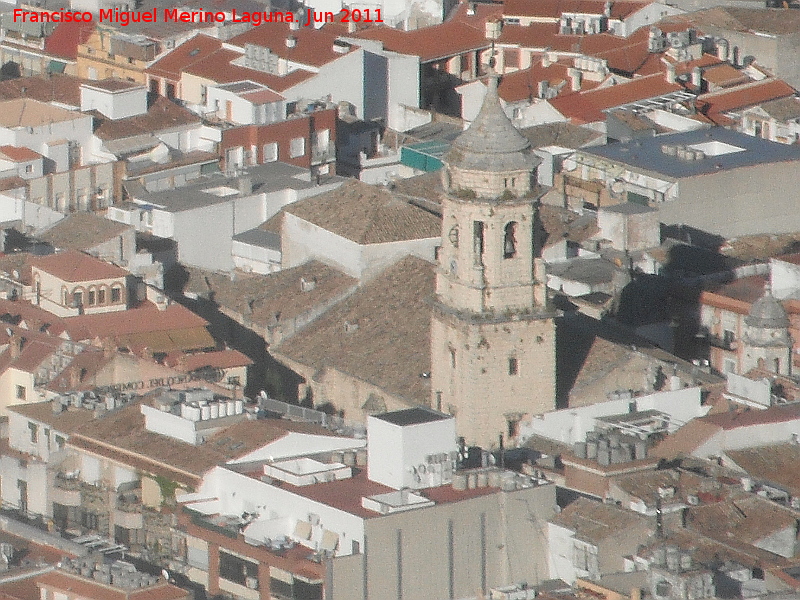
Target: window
[[89, 520], [238, 570], [29, 168], [92, 297], [513, 366], [477, 240], [59, 442], [116, 294], [77, 298], [510, 240], [20, 392], [297, 147], [270, 152], [727, 338], [130, 60], [101, 296], [453, 358], [33, 430]]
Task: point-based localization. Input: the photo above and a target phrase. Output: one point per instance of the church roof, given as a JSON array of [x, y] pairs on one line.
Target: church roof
[[491, 143], [767, 313]]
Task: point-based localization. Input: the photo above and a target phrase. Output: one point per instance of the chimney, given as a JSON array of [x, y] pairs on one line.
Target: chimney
[[17, 343], [470, 9], [542, 89], [670, 75], [697, 77], [607, 9], [723, 49], [245, 186], [351, 26], [291, 41], [575, 79], [546, 60], [295, 24]]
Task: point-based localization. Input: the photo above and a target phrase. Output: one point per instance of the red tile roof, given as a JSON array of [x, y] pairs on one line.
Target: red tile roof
[[312, 47], [76, 266], [554, 8], [18, 154], [748, 417], [715, 104], [217, 67], [222, 359], [587, 107], [430, 43], [66, 37], [521, 85], [191, 51], [93, 590]]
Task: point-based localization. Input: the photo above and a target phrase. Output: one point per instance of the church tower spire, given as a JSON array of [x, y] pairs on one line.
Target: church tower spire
[[493, 338]]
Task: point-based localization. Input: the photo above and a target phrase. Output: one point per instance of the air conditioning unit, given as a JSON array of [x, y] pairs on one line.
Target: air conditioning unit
[[251, 583]]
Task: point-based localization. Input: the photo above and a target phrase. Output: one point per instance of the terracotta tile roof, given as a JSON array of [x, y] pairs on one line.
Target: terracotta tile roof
[[724, 75], [54, 88], [749, 418], [714, 104], [538, 35], [75, 266], [388, 343], [66, 38], [430, 43], [783, 110], [554, 8], [82, 231], [565, 135], [262, 297], [366, 214], [587, 107], [313, 47], [745, 289], [217, 67], [145, 326], [163, 114], [594, 522], [775, 465], [67, 421], [686, 440], [221, 359], [27, 112], [121, 436], [523, 85], [18, 154], [747, 519], [191, 51], [88, 589]]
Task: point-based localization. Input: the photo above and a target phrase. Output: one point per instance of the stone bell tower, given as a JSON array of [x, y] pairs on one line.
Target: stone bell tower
[[493, 337]]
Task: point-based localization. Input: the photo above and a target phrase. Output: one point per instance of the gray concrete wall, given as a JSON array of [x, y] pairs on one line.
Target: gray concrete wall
[[452, 550]]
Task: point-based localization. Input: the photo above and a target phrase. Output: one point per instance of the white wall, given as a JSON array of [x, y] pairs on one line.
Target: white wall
[[570, 425], [239, 493], [785, 278], [303, 241], [114, 105], [394, 449], [560, 543]]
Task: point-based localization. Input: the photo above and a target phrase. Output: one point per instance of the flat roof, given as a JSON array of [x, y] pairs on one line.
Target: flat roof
[[724, 150], [216, 187], [412, 416]]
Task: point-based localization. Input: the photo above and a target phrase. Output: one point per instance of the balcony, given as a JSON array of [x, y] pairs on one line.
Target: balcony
[[67, 492], [324, 155], [129, 517]]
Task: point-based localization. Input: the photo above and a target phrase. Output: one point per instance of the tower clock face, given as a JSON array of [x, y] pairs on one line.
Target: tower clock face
[[453, 235]]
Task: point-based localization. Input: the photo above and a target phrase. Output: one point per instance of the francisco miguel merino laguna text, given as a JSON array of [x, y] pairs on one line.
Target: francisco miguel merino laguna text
[[173, 15]]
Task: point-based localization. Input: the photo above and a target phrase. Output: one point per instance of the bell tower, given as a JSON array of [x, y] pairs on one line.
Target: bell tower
[[493, 335]]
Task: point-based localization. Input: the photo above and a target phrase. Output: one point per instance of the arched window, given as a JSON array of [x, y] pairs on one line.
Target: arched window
[[510, 240]]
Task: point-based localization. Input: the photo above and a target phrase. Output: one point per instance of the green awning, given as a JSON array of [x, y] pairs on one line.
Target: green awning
[[56, 66]]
